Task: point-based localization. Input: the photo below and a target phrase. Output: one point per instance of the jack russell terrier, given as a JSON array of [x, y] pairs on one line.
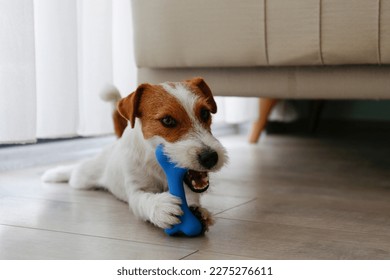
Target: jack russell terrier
[[177, 115]]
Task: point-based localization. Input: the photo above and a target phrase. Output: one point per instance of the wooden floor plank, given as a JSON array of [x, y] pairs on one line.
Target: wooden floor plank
[[25, 243], [207, 255], [278, 241]]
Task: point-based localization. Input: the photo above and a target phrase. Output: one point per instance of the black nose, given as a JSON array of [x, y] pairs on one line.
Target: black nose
[[208, 158]]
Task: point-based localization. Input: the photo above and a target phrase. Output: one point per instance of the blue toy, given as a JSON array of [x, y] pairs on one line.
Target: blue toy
[[189, 225]]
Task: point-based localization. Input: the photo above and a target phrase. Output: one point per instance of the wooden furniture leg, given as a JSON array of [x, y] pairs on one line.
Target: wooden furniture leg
[[316, 109], [265, 105]]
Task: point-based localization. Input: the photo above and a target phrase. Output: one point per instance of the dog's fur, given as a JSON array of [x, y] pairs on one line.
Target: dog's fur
[[128, 168]]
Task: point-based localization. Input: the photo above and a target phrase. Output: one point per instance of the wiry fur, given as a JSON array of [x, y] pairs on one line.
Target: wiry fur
[[128, 168]]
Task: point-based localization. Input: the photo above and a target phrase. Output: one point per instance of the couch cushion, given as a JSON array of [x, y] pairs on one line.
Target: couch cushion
[[177, 33], [231, 33], [385, 31]]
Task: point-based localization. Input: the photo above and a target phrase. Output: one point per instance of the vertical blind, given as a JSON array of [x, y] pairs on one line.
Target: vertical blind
[[55, 58]]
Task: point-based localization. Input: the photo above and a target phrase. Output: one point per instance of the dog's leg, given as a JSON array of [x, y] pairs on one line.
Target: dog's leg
[[193, 200], [58, 174], [87, 174], [84, 175], [161, 209]]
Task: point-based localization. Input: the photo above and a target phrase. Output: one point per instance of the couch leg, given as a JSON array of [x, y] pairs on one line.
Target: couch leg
[[265, 105], [316, 109]]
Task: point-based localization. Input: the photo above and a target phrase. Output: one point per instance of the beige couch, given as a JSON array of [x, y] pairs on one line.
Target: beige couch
[[320, 49]]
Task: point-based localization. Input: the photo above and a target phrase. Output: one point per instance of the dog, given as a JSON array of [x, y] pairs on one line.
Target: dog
[[177, 115]]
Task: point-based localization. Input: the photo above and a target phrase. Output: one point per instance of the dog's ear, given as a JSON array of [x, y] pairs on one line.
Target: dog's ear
[[206, 92], [128, 106]]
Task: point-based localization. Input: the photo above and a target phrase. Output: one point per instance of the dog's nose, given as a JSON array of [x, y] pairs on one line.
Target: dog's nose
[[208, 158]]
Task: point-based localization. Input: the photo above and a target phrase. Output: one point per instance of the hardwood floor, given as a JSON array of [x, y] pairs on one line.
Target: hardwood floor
[[288, 197]]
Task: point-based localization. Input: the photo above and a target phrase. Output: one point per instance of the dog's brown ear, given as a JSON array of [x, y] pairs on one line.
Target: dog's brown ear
[[128, 106], [206, 92]]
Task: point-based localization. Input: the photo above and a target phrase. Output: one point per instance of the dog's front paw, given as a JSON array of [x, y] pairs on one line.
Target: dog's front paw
[[203, 215], [166, 210]]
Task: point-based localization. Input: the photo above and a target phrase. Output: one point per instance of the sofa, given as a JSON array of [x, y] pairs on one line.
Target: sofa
[[275, 49]]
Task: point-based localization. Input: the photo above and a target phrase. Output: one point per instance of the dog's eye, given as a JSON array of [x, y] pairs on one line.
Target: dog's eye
[[168, 121], [205, 115]]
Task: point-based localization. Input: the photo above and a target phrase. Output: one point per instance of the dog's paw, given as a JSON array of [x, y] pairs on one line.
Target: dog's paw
[[204, 216], [58, 174], [166, 210]]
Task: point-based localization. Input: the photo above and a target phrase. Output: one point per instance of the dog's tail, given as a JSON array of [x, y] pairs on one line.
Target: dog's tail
[[111, 94], [58, 174]]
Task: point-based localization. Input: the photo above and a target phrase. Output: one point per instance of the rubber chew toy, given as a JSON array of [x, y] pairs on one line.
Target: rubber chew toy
[[189, 225]]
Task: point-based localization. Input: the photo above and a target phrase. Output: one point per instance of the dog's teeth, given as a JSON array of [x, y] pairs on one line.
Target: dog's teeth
[[193, 183]]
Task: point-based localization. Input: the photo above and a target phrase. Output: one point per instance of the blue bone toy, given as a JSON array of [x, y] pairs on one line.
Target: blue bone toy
[[189, 225]]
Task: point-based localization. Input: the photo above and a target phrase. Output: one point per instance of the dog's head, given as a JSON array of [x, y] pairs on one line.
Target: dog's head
[[178, 115]]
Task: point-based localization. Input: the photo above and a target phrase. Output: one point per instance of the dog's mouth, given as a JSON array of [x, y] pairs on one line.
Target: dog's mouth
[[197, 181]]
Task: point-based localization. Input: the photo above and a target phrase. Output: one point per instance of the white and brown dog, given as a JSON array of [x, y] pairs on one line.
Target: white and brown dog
[[177, 115]]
